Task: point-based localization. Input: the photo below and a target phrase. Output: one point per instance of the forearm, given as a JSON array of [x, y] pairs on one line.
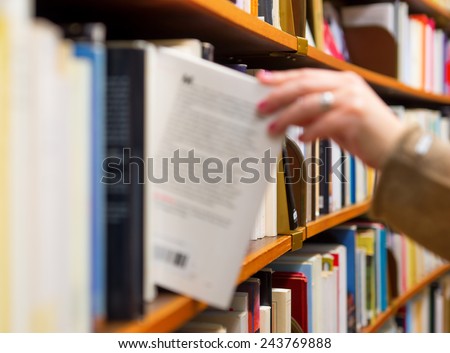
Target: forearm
[[413, 194]]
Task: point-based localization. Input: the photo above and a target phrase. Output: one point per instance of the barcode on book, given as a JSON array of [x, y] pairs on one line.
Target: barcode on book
[[171, 256]]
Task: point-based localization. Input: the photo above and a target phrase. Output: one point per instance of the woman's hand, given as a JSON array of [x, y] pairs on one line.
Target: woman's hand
[[331, 104]]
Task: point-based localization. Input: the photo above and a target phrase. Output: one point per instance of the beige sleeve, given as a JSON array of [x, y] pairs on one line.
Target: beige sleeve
[[413, 193]]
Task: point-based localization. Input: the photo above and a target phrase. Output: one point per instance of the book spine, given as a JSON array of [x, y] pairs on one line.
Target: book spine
[[325, 204], [95, 53], [125, 127]]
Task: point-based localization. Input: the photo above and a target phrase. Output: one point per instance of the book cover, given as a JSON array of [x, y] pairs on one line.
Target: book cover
[[209, 230], [89, 43], [281, 310], [126, 89]]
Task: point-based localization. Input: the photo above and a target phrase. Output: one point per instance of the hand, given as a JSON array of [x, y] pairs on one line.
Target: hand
[[354, 117]]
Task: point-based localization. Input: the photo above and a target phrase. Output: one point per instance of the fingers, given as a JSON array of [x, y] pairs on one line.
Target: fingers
[[329, 125], [278, 77], [303, 111], [297, 83]]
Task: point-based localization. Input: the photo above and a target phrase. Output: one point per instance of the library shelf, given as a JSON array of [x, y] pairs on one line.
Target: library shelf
[[170, 311], [404, 298], [219, 22], [333, 219]]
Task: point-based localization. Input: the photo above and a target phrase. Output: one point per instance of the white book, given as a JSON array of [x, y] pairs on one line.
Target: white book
[[80, 198], [49, 282], [206, 224], [15, 229], [341, 277], [265, 318], [271, 208], [233, 321], [276, 14], [381, 14], [416, 33], [281, 310], [402, 9]]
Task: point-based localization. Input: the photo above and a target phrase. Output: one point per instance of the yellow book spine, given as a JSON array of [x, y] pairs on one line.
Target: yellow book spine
[[4, 190]]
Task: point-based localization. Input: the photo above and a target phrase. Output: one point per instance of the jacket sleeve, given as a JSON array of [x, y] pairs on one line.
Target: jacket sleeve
[[413, 193]]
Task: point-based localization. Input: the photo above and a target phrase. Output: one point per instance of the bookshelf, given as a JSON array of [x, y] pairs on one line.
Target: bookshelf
[[404, 298], [237, 36], [169, 311]]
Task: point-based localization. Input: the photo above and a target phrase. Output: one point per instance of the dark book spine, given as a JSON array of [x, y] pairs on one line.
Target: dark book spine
[[325, 194], [288, 177], [265, 8], [125, 142]]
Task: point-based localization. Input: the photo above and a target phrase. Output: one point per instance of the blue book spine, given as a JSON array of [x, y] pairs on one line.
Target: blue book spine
[[96, 54], [347, 237], [306, 269], [383, 269], [352, 180]]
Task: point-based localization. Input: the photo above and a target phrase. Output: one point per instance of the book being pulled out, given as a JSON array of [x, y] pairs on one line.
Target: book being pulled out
[[207, 153]]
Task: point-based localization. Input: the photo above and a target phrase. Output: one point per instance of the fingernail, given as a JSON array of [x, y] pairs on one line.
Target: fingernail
[[273, 128], [262, 106], [266, 75]]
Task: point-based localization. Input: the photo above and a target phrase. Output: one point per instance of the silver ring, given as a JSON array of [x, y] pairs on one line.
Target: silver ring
[[327, 100]]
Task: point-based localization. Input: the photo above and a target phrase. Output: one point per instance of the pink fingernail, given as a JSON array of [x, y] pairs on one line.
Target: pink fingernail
[[262, 106], [273, 128]]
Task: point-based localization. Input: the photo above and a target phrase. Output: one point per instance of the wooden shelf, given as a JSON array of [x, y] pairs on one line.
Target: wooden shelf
[[236, 35], [404, 298], [262, 252], [326, 222], [384, 84], [170, 311], [220, 22]]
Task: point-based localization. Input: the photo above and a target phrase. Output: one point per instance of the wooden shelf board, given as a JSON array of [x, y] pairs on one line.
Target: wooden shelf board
[[170, 311], [328, 221], [387, 85], [404, 298], [262, 252], [231, 30]]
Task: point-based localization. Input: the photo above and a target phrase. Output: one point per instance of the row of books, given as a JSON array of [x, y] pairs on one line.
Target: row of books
[[340, 281], [286, 15], [432, 121], [403, 44], [85, 224], [421, 47]]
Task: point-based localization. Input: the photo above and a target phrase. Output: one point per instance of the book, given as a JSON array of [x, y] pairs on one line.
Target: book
[[126, 107], [326, 185], [252, 288], [209, 231], [266, 318], [281, 310], [89, 43]]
